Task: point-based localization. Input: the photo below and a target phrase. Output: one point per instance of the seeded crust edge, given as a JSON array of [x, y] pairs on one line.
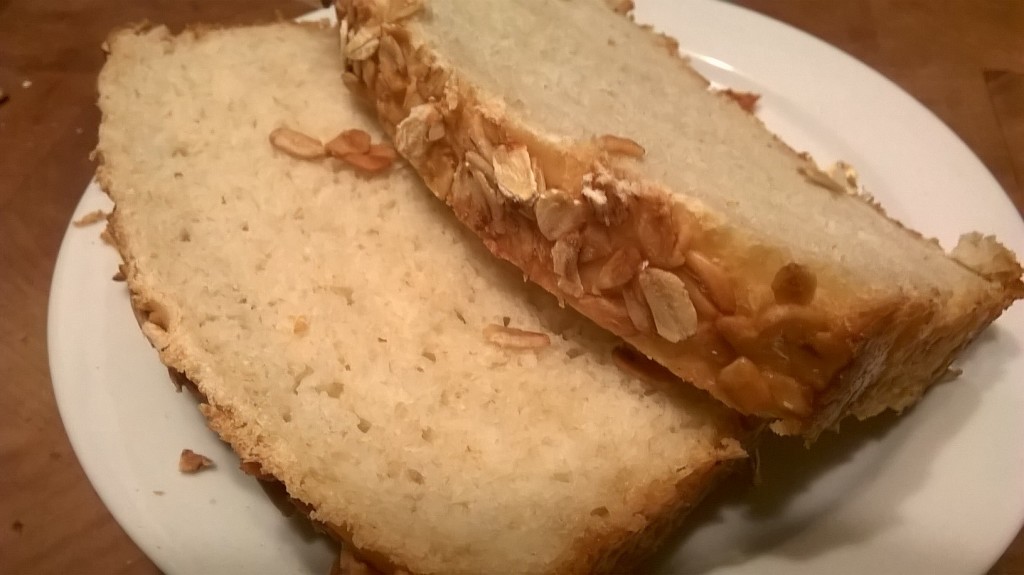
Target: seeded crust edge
[[877, 354]]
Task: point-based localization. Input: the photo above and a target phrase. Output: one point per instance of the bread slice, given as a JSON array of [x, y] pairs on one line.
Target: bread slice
[[582, 148], [351, 340]]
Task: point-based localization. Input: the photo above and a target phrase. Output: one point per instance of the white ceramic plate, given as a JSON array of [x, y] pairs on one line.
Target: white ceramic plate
[[938, 490]]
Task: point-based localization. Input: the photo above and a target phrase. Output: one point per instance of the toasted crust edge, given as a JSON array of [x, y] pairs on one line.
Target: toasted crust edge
[[482, 162]]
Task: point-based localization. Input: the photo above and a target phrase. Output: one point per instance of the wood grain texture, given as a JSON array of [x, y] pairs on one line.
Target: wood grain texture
[[964, 59]]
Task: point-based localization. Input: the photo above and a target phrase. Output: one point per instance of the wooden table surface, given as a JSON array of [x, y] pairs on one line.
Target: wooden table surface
[[963, 59]]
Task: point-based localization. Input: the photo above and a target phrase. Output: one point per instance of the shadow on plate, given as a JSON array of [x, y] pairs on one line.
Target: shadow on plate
[[800, 485]]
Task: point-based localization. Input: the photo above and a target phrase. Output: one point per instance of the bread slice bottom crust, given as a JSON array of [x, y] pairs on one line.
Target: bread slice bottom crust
[[608, 554]]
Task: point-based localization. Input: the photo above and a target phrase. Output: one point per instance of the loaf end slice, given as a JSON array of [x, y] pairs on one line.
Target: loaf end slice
[[425, 405], [583, 149]]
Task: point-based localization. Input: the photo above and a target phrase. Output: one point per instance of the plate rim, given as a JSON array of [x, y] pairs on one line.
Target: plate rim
[[745, 17]]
